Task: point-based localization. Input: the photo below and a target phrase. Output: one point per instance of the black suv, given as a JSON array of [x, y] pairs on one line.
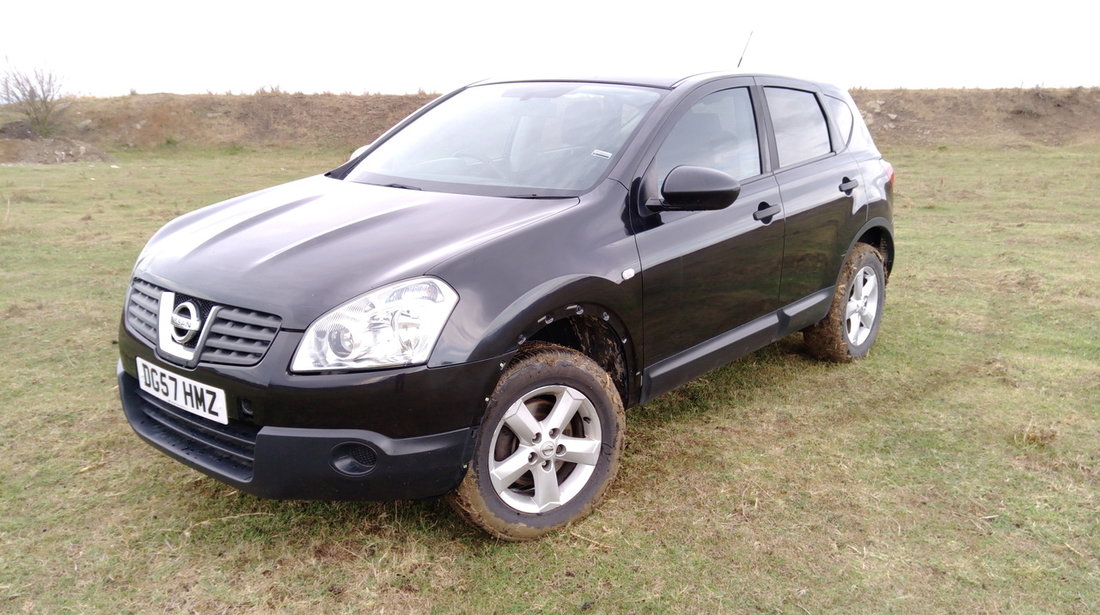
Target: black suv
[[468, 304]]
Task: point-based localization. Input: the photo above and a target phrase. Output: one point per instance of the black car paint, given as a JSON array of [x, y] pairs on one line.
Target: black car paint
[[300, 249], [709, 286]]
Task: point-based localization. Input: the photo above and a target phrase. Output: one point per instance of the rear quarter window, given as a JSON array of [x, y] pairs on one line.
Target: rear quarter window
[[842, 115], [801, 132]]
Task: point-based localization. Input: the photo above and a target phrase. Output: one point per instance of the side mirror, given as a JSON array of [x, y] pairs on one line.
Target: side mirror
[[689, 188], [357, 152]]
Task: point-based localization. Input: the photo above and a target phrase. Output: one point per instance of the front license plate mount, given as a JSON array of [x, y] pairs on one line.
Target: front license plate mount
[[182, 392]]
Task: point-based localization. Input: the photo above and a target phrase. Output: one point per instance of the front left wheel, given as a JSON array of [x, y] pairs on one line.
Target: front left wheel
[[548, 448]]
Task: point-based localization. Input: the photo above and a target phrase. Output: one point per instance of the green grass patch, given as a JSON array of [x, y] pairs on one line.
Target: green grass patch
[[955, 470]]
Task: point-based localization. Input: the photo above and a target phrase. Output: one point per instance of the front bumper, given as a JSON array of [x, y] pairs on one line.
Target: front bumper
[[301, 463], [388, 435]]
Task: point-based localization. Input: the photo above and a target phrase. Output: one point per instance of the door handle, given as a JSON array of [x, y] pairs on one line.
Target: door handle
[[848, 185], [766, 211]]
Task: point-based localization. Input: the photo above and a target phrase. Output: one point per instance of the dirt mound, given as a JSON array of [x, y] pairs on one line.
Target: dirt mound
[[19, 129], [1008, 117], [992, 117], [262, 119], [49, 151]]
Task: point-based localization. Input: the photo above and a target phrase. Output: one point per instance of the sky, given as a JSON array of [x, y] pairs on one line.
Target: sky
[[112, 48]]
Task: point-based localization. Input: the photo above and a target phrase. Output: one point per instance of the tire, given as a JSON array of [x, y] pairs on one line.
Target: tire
[[849, 329], [548, 448]]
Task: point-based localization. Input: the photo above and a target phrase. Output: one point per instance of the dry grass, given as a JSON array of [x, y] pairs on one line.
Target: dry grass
[[955, 470]]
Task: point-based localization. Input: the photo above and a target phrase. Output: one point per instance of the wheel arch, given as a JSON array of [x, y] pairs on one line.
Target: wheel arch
[[574, 312], [878, 233], [594, 332]]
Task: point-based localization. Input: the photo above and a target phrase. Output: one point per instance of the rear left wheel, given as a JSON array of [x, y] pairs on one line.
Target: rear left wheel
[[548, 448], [849, 329]]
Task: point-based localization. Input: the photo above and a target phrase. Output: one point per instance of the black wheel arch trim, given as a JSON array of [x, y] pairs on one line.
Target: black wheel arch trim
[[488, 333], [540, 308], [873, 224]]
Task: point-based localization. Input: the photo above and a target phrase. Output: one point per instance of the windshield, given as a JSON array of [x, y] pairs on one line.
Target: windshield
[[512, 139]]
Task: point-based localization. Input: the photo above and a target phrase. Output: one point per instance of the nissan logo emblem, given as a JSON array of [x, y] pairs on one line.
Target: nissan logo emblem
[[185, 322]]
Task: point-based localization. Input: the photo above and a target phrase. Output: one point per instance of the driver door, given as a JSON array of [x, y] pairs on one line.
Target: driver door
[[705, 274]]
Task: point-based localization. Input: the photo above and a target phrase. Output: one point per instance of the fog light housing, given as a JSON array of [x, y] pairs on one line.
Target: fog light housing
[[354, 458]]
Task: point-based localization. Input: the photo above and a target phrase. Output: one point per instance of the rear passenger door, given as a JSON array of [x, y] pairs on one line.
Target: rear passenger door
[[819, 184]]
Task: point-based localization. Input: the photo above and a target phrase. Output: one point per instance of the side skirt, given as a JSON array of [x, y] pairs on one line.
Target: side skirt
[[707, 356]]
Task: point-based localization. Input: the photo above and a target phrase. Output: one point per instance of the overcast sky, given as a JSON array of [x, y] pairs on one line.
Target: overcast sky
[[110, 48]]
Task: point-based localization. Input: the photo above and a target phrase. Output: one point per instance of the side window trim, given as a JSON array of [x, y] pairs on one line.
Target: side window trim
[[764, 136]]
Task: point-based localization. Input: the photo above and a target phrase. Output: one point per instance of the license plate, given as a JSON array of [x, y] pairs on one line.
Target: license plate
[[184, 393]]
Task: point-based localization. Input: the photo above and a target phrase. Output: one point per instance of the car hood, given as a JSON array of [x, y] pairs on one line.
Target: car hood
[[302, 248]]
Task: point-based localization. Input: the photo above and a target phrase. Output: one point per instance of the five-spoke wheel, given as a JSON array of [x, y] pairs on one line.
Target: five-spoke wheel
[[549, 446], [861, 311], [849, 329]]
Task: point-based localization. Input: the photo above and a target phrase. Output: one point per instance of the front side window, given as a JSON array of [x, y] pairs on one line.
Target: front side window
[[521, 139], [801, 132], [718, 132]]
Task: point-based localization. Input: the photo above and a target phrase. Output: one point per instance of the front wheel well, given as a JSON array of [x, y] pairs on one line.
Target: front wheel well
[[594, 338]]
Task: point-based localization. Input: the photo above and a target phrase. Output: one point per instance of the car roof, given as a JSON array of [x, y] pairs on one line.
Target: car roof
[[649, 81], [667, 82]]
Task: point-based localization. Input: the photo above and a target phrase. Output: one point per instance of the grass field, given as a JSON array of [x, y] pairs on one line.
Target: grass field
[[957, 470]]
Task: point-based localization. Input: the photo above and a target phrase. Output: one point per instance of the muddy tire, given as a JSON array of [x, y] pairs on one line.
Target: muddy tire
[[548, 448], [849, 329]]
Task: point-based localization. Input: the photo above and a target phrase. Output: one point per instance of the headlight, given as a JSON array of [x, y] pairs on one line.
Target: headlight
[[388, 327]]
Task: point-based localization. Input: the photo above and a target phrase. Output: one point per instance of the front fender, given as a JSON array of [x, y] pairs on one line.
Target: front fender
[[508, 287], [478, 330]]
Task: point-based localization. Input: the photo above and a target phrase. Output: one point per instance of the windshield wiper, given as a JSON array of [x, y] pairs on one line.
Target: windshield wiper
[[402, 186], [533, 196]]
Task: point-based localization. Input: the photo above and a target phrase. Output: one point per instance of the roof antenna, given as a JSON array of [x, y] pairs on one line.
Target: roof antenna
[[747, 41]]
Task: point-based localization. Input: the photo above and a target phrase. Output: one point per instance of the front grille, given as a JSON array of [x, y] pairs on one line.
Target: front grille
[[229, 448], [143, 308], [238, 336]]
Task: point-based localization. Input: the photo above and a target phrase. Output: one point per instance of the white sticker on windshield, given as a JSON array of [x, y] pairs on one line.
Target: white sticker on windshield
[[599, 153]]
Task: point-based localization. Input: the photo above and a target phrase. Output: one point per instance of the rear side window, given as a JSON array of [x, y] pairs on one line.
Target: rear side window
[[801, 132]]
